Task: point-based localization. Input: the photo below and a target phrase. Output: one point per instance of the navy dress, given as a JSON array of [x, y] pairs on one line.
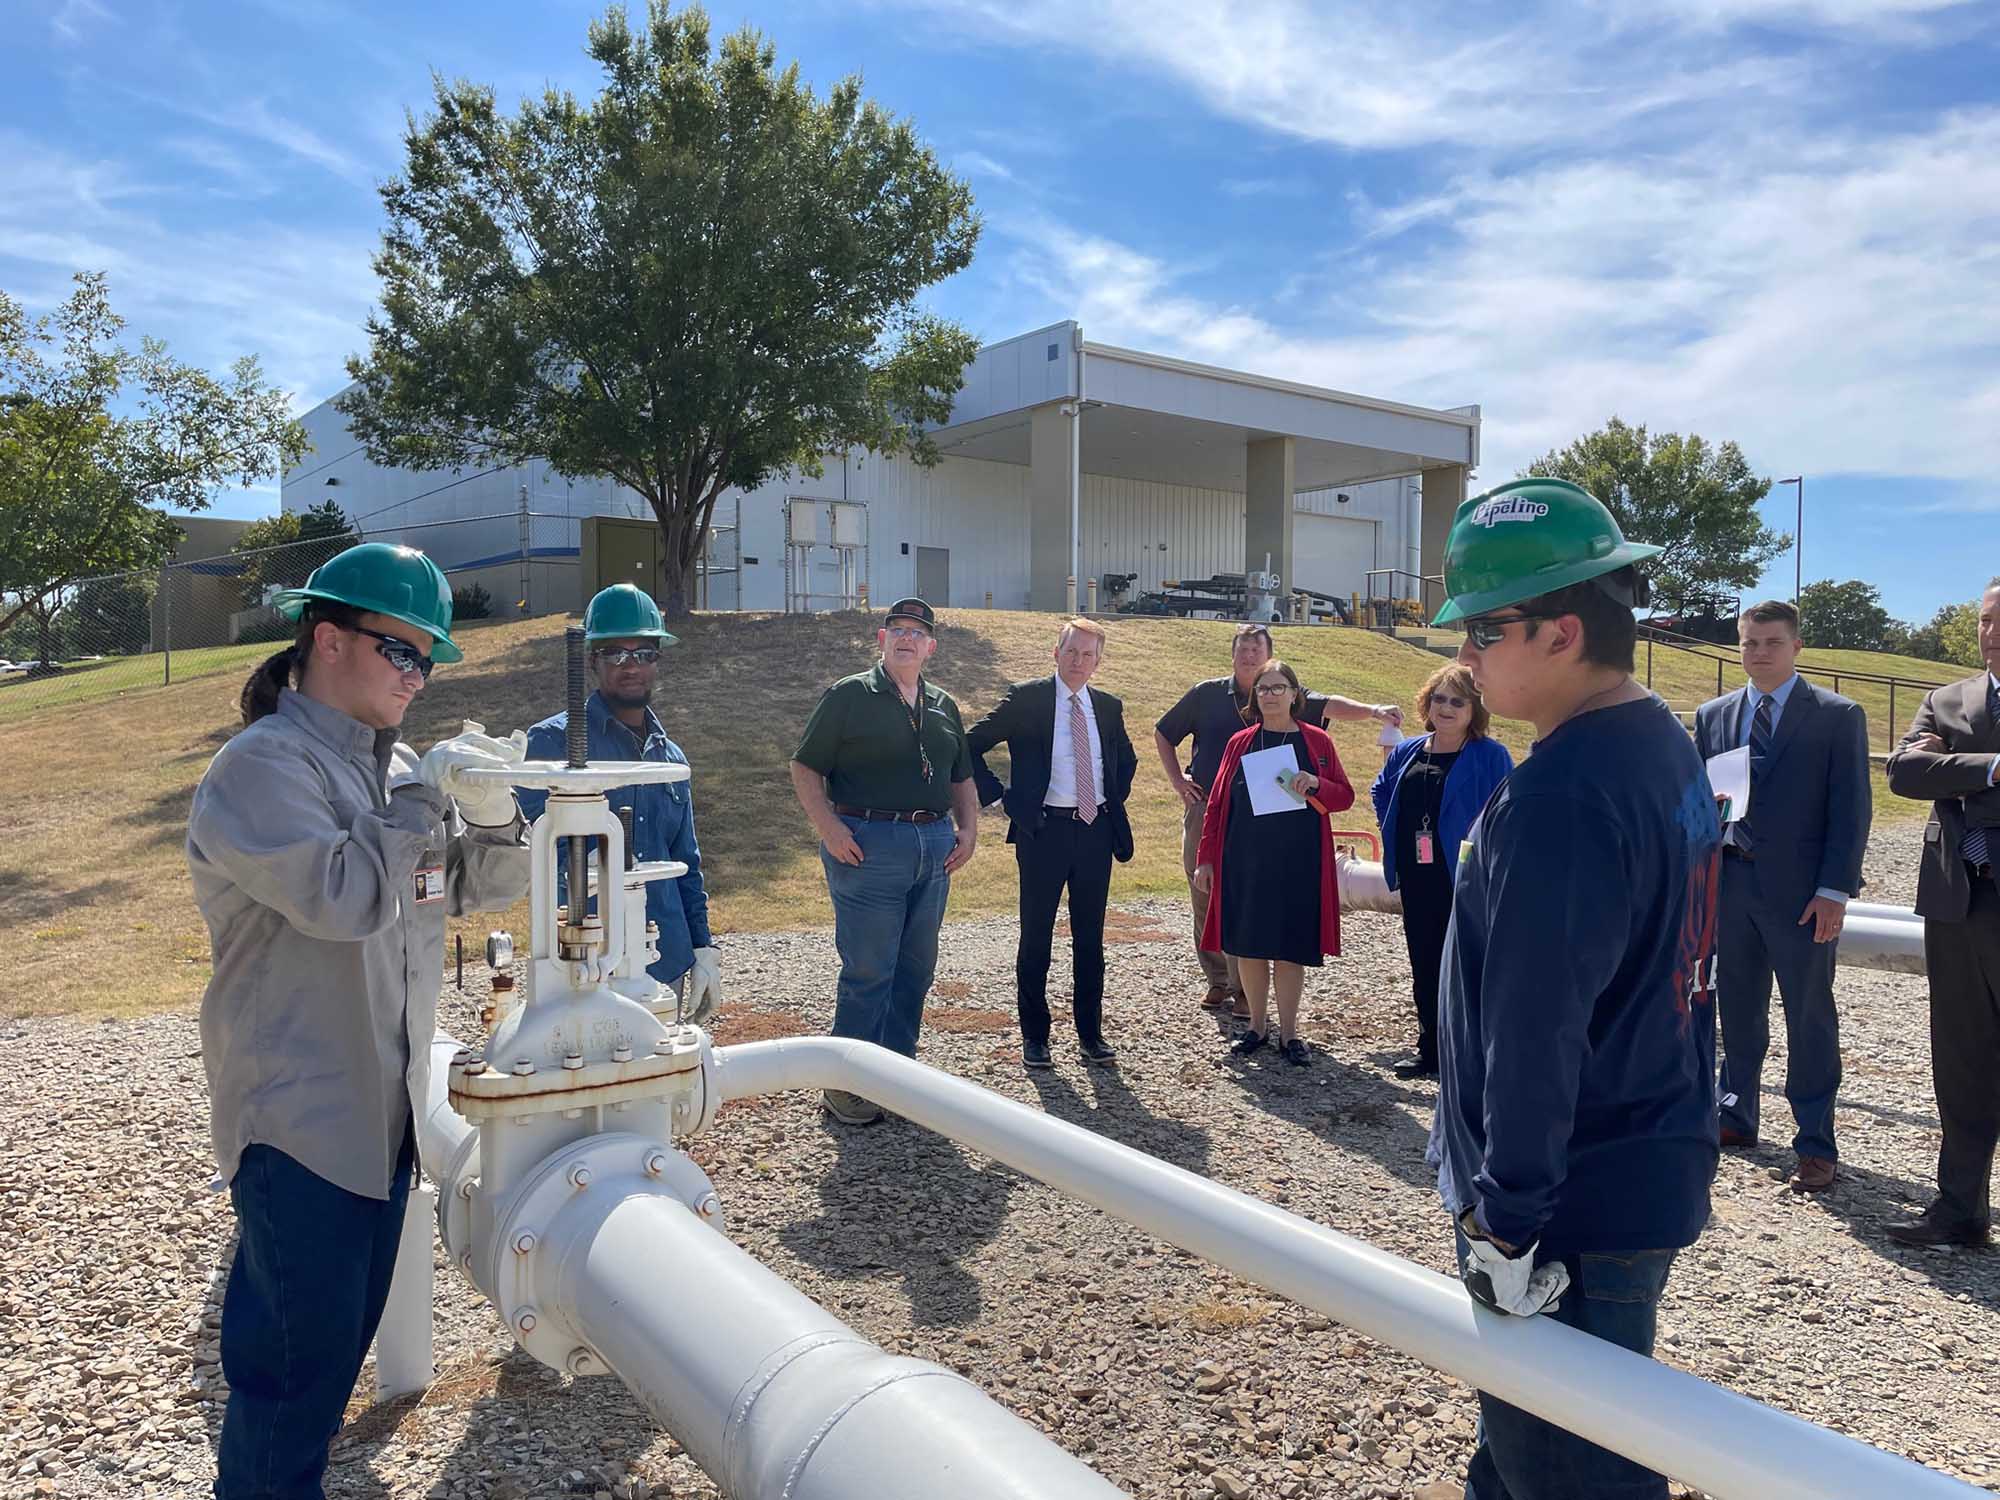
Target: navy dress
[[1270, 874]]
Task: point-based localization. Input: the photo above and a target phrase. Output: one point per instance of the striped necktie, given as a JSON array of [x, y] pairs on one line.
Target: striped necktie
[[1974, 846], [1760, 752], [1086, 770]]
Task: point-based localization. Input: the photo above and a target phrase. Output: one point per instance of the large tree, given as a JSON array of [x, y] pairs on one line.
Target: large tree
[[700, 278], [99, 440], [1848, 615], [1696, 499]]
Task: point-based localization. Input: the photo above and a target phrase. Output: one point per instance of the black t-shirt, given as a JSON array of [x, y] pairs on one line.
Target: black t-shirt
[[1213, 711], [1419, 804]]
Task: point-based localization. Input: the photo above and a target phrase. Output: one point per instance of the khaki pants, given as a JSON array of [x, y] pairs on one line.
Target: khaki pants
[[1220, 968]]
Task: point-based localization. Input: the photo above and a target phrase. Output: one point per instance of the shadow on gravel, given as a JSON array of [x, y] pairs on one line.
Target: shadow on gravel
[[1117, 1114], [904, 1202], [1869, 1201], [1345, 1105]]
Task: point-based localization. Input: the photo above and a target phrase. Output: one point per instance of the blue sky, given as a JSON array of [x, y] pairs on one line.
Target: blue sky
[[1776, 221]]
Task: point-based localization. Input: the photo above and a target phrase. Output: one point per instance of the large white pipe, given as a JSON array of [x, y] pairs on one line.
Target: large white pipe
[[769, 1393], [1727, 1445]]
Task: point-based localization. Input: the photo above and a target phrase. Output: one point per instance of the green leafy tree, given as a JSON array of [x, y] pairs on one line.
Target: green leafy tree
[[1696, 499], [702, 277], [98, 441], [1846, 615], [1958, 634], [281, 551]]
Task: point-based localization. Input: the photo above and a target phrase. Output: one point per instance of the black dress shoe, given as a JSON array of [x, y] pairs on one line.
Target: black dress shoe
[[1249, 1042], [1415, 1067], [1036, 1055], [1931, 1229], [1100, 1052]]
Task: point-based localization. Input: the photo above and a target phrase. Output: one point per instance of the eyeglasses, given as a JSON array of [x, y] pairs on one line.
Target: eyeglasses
[[1264, 688], [399, 653], [907, 632], [619, 656], [1449, 701], [1484, 634]]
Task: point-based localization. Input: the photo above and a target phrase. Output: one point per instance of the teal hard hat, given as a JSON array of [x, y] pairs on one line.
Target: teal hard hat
[[624, 610], [1526, 538], [384, 579]]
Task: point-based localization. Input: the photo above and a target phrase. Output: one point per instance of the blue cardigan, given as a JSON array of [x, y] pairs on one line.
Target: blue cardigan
[[1481, 766]]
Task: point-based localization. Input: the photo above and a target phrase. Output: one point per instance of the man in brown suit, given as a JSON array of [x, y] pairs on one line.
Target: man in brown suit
[[1951, 755]]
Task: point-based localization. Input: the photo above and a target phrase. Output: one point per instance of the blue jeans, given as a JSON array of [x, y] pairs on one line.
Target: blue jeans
[[305, 1292], [886, 912], [1521, 1457]]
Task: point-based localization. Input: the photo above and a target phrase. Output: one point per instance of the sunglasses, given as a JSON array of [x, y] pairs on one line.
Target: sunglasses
[[1489, 632], [399, 653], [619, 656], [1449, 701]]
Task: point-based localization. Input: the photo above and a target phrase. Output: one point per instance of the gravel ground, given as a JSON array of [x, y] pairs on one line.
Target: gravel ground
[[1176, 1379]]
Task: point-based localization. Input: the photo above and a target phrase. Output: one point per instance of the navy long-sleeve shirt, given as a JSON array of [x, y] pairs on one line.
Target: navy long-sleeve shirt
[[1576, 1102]]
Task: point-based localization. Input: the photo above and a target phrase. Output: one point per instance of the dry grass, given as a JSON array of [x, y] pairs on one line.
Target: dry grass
[[96, 912]]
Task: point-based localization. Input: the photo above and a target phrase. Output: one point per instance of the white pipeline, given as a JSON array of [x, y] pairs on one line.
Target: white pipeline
[[617, 1238], [1727, 1445]]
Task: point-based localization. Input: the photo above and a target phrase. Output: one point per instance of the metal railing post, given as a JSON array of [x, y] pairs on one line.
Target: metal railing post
[[166, 627]]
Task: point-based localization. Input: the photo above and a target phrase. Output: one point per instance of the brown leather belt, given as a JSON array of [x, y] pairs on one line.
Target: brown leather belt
[[883, 815]]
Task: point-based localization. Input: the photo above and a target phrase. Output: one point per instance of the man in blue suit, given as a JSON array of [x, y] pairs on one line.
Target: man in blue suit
[[1789, 868], [624, 633]]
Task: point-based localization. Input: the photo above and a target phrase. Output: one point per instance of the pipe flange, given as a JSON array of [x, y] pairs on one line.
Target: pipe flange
[[454, 1210], [607, 1168]]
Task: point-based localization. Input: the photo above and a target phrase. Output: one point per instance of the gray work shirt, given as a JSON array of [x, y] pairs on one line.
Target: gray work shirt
[[316, 1026]]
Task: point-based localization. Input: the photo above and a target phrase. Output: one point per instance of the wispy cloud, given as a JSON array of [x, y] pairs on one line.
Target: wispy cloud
[[73, 21], [1827, 303], [979, 163], [1266, 187]]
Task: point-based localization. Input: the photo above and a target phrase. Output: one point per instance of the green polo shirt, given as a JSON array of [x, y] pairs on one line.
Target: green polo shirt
[[861, 740]]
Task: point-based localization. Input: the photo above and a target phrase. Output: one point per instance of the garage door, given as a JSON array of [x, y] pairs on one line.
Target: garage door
[[1332, 554]]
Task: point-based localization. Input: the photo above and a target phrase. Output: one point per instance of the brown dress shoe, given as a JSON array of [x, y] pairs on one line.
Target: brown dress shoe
[[1814, 1175], [1217, 998]]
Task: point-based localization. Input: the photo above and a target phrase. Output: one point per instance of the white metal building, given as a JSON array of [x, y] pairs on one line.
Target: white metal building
[[1062, 457]]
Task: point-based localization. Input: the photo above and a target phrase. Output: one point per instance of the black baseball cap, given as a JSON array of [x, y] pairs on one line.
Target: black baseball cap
[[913, 609]]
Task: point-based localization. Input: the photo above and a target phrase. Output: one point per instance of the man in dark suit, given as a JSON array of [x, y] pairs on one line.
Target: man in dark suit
[[1950, 755], [1789, 868], [1071, 767]]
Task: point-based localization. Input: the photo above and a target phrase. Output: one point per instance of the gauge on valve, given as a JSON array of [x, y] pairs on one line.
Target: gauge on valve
[[499, 950]]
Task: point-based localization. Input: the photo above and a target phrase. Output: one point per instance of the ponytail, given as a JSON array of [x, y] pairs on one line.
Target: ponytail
[[273, 675], [287, 668]]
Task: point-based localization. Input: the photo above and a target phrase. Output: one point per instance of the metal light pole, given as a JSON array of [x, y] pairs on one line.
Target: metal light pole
[[1798, 538]]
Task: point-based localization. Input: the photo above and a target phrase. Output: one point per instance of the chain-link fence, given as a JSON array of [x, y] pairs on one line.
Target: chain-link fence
[[99, 637]]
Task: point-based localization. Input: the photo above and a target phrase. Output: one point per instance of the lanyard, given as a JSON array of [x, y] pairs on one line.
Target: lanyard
[[916, 712]]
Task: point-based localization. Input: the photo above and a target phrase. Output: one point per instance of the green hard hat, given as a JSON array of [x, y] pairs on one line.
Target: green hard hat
[[1525, 538], [623, 610], [384, 579]]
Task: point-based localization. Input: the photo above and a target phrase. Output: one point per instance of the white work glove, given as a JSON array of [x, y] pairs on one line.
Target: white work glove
[[1511, 1284], [484, 804], [704, 985]]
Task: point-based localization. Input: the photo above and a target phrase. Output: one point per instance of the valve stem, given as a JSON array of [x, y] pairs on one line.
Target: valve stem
[[577, 737]]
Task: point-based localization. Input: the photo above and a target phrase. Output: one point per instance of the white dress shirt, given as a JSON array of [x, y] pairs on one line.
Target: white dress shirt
[[1062, 759]]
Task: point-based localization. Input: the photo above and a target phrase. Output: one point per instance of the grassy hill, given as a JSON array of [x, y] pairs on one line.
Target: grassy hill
[[96, 912], [1687, 679]]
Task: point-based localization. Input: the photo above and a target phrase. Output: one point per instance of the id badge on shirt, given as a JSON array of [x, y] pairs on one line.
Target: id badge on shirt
[[429, 880], [1426, 849]]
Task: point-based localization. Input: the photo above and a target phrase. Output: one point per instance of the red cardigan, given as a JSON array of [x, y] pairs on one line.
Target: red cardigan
[[1334, 790]]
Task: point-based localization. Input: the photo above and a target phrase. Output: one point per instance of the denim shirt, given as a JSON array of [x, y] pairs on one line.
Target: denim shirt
[[662, 825], [306, 842]]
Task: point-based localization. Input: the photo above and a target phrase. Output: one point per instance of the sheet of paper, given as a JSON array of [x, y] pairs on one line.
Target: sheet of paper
[[1729, 776], [1260, 774]]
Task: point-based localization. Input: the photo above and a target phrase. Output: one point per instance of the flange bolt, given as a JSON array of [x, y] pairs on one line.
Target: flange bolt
[[524, 1242], [579, 1176]]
